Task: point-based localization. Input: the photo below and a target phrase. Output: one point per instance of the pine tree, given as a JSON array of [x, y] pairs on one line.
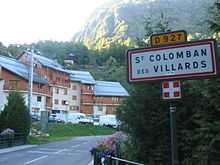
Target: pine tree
[[15, 114]]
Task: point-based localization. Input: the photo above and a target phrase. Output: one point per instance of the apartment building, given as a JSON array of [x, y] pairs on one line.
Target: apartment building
[[14, 77], [85, 92], [97, 97], [58, 79], [107, 97], [56, 89]]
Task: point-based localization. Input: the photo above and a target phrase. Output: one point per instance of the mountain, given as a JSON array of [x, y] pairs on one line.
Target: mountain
[[125, 20]]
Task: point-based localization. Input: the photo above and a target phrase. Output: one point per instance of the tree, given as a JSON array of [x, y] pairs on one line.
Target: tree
[[214, 18], [15, 114]]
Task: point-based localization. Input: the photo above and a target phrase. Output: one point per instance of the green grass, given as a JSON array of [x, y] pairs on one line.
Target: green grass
[[65, 131]]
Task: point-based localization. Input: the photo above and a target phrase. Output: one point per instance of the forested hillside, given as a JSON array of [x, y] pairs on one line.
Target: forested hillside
[[122, 21]]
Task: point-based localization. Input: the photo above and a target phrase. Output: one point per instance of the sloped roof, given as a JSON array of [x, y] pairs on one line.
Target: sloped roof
[[48, 62], [20, 69], [82, 76], [107, 88]]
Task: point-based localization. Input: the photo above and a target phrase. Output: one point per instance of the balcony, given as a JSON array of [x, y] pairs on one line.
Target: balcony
[[11, 85], [86, 100], [43, 91], [87, 91]]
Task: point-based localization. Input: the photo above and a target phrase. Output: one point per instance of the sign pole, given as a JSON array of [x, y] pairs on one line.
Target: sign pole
[[174, 155]]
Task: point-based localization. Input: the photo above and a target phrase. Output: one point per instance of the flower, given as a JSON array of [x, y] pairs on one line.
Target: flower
[[108, 146]]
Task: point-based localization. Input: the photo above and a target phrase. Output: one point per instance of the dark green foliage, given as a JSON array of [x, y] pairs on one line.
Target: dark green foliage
[[214, 18], [146, 123], [15, 114], [145, 117]]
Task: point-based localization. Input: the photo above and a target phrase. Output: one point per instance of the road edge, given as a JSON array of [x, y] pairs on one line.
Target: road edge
[[16, 148]]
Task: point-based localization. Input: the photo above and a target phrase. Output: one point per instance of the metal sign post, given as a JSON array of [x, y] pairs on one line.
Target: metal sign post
[[174, 155]]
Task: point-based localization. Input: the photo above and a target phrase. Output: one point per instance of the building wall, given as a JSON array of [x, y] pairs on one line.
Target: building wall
[[36, 104], [99, 110], [55, 77], [86, 103], [3, 96], [106, 104], [112, 100], [111, 109], [75, 96], [0, 72], [12, 82], [87, 109], [60, 98]]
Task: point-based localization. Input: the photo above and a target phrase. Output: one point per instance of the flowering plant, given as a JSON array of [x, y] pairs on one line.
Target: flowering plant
[[108, 146]]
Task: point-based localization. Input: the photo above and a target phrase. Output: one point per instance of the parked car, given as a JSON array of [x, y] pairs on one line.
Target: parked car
[[61, 118], [96, 121], [35, 117], [52, 119], [85, 120], [74, 118], [109, 121]]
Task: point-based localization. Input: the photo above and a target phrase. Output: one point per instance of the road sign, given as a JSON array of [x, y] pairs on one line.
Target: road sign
[[187, 60], [171, 90], [168, 38]]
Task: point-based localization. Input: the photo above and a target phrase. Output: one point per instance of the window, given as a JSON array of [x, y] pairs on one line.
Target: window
[[74, 97], [99, 108], [74, 108], [64, 102], [57, 79], [38, 98], [40, 86], [56, 101], [74, 87], [13, 84], [115, 99], [90, 87], [57, 90], [65, 91]]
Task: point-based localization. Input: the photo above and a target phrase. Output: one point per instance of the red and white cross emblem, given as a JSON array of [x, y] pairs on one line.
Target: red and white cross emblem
[[171, 90]]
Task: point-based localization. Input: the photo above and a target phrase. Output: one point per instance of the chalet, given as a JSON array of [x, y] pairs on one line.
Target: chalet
[[14, 77], [58, 79], [70, 59], [107, 97]]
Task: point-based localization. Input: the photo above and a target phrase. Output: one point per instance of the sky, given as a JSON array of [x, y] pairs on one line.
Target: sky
[[26, 21]]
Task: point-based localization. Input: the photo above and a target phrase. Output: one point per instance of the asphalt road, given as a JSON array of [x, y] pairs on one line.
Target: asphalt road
[[70, 152]]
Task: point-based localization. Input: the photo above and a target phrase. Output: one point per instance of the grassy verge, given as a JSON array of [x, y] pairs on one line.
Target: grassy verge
[[65, 131]]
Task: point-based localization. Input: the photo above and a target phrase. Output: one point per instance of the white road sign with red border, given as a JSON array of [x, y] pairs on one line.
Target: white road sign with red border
[[191, 59], [171, 90]]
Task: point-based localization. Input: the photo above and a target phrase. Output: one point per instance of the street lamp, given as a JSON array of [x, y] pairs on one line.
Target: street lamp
[[30, 84]]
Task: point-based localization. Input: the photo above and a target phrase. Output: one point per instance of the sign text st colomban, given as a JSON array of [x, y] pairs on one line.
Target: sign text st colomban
[[187, 60]]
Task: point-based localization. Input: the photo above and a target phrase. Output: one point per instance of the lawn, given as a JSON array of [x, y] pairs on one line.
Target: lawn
[[66, 131]]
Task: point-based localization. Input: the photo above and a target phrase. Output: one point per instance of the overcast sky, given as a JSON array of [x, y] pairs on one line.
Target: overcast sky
[[25, 21]]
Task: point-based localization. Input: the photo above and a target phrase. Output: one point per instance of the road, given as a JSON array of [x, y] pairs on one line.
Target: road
[[70, 152]]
